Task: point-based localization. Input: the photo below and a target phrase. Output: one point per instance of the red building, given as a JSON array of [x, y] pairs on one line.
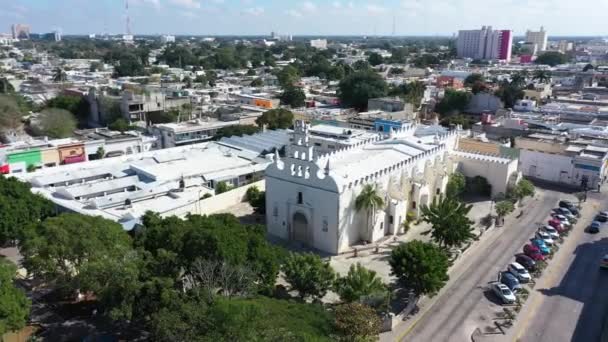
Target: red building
[[449, 82]]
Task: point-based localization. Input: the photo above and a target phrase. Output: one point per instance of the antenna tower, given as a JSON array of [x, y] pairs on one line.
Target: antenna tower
[[128, 18]]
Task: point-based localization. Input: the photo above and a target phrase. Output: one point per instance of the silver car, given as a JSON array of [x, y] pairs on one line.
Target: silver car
[[503, 292]]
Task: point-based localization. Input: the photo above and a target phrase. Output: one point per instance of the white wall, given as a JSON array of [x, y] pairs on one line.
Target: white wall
[[545, 166], [216, 203], [497, 174]]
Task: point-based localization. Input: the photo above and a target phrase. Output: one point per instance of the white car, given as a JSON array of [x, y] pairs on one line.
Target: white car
[[545, 237], [503, 292], [519, 271], [562, 219], [553, 233], [566, 213]]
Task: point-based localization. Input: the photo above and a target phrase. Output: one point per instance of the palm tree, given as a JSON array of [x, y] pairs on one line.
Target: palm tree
[[360, 283], [369, 200], [59, 75], [543, 76], [518, 79], [450, 224]]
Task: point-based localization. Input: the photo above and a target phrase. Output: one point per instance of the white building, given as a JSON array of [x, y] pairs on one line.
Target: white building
[[57, 35], [320, 44], [554, 159], [310, 199], [187, 133], [167, 39], [485, 44], [537, 37]]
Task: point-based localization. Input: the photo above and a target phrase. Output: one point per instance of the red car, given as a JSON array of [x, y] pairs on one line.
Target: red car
[[533, 252], [555, 223]]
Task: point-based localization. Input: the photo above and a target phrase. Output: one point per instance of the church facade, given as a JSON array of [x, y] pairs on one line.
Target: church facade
[[310, 198]]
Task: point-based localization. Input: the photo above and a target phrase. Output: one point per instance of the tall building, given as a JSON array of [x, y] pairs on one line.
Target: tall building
[[167, 39], [485, 44], [20, 31], [537, 37], [320, 44], [57, 35]]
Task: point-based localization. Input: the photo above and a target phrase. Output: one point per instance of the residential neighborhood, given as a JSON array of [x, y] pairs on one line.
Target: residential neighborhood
[[298, 186]]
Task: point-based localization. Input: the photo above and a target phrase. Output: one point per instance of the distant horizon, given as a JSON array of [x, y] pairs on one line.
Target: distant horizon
[[560, 18]]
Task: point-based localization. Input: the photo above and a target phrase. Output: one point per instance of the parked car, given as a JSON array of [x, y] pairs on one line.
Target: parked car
[[544, 249], [526, 261], [570, 206], [604, 262], [562, 219], [594, 227], [511, 281], [520, 272], [545, 237], [554, 233], [566, 213], [533, 252], [504, 293], [602, 216]]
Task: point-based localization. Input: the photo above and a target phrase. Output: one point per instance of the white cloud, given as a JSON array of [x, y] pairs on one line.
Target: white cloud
[[375, 9], [191, 4], [293, 13], [254, 11], [308, 6]]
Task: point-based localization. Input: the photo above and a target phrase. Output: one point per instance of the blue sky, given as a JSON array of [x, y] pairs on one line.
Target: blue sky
[[340, 17]]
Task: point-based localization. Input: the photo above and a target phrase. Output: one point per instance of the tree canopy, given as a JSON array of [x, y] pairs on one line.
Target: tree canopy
[[237, 130], [56, 123], [456, 185], [76, 105], [10, 113], [552, 58], [453, 102], [357, 322], [19, 208], [14, 305], [293, 96], [308, 274], [279, 118], [420, 266], [359, 284], [357, 88], [450, 225]]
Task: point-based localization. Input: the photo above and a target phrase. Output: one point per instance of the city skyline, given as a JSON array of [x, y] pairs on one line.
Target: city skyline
[[259, 17]]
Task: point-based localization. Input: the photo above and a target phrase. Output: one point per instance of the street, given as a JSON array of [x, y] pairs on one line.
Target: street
[[570, 301], [465, 304]]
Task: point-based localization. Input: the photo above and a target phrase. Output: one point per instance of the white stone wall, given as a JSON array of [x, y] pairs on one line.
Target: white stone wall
[[550, 167], [497, 173]]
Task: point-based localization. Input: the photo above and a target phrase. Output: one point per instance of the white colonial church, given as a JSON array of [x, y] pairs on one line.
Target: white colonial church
[[310, 199]]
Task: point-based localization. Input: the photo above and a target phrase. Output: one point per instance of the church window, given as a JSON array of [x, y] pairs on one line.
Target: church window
[[300, 198], [325, 224], [390, 219], [438, 191], [414, 205]]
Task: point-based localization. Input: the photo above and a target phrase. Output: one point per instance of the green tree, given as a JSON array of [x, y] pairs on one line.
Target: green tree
[[129, 65], [76, 105], [542, 76], [101, 152], [375, 59], [257, 199], [276, 119], [552, 58], [509, 93], [59, 75], [14, 305], [56, 123], [370, 201], [361, 66], [251, 72], [10, 113], [5, 86], [293, 96], [524, 188], [120, 125], [473, 78], [420, 266], [453, 102], [221, 187], [237, 130], [450, 225], [70, 251], [357, 88], [357, 322], [360, 283], [308, 274], [456, 185], [19, 208], [257, 83], [504, 207], [288, 76]]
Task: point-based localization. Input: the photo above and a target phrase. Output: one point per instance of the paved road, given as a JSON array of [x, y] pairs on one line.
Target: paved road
[[463, 304], [571, 300]]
